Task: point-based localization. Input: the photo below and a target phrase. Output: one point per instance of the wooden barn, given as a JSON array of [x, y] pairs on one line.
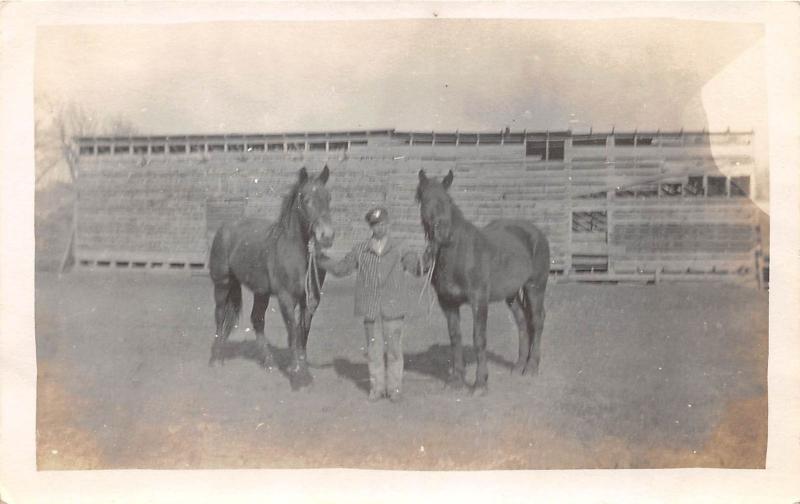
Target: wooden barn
[[641, 205]]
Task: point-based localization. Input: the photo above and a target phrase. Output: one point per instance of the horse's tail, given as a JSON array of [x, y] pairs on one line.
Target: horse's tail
[[233, 305], [227, 289]]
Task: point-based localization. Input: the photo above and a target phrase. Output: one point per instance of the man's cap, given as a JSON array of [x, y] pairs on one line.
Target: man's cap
[[376, 215]]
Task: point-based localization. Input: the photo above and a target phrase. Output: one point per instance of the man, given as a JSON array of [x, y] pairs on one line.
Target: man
[[380, 299]]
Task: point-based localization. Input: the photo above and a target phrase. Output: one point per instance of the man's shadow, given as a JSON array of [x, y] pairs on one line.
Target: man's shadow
[[433, 362]]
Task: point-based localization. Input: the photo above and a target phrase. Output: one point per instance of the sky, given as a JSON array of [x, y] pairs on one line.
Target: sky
[[420, 75], [408, 74]]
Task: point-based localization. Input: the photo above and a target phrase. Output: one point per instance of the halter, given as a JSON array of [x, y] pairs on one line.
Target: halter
[[312, 271]]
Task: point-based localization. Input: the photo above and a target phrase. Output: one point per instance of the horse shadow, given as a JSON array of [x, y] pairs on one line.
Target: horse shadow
[[436, 360], [357, 372], [281, 358], [433, 362]]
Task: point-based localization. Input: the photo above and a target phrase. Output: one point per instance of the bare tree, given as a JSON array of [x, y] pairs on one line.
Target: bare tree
[[56, 125], [119, 126]]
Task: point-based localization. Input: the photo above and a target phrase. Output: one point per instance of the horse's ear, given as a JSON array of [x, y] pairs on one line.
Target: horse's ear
[[423, 181], [447, 180], [302, 175], [323, 177]]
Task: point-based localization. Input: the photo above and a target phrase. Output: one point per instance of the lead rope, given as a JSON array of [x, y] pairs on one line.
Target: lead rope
[[312, 275], [428, 280]]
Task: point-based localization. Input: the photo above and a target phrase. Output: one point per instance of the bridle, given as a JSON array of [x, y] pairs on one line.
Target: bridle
[[312, 280]]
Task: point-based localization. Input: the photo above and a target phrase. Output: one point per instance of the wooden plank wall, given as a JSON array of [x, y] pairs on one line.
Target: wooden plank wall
[[160, 213]]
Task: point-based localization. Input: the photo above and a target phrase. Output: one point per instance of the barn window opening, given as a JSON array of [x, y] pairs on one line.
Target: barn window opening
[[589, 141], [140, 149], [671, 189], [274, 147], [545, 150], [157, 149], [556, 150], [445, 139], [536, 149], [363, 142], [258, 147], [644, 141], [647, 191], [627, 140], [740, 186], [695, 186], [236, 147], [216, 147], [589, 222], [591, 195], [671, 140], [177, 149], [513, 138], [122, 149], [295, 146], [491, 138], [467, 139], [716, 186], [196, 148], [104, 149], [337, 146], [316, 146], [422, 139], [86, 150]]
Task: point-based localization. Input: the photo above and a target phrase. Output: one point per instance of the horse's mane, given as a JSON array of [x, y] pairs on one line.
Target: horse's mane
[[455, 210], [287, 204]]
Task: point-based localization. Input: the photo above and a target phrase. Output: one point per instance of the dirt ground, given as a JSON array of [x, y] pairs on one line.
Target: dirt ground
[[671, 375]]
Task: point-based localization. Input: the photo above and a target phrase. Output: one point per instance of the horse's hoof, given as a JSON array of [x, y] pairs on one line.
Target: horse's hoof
[[300, 380], [480, 390], [531, 371], [455, 384], [267, 363]]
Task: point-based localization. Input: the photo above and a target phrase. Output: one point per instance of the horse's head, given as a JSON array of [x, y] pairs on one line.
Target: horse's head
[[436, 207], [314, 203]]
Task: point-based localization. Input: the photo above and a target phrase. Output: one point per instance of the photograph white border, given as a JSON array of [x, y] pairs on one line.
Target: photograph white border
[[21, 483]]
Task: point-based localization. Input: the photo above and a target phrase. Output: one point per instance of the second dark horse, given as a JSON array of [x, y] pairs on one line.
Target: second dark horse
[[272, 259], [507, 260]]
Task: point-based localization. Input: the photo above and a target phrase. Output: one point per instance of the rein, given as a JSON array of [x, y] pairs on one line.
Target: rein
[[428, 278], [312, 274]]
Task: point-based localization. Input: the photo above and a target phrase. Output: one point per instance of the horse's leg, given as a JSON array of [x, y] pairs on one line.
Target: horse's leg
[[480, 312], [228, 301], [288, 304], [455, 379], [534, 311], [300, 361], [257, 316], [515, 305]]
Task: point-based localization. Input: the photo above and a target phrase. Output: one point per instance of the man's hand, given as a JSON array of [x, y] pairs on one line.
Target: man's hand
[[410, 263]]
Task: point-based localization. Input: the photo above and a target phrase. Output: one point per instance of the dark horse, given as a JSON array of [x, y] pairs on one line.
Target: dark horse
[[508, 260], [273, 259]]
